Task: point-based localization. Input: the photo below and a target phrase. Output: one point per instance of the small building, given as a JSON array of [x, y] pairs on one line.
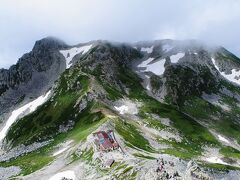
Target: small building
[[105, 140], [109, 163]]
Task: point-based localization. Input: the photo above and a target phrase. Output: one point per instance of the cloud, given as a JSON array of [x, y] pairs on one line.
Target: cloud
[[74, 21]]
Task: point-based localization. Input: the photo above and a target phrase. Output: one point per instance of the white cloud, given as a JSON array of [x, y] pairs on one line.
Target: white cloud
[[23, 22]]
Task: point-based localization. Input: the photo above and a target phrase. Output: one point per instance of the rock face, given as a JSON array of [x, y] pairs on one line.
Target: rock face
[[187, 67], [184, 81], [105, 60], [122, 84], [191, 74], [33, 74]]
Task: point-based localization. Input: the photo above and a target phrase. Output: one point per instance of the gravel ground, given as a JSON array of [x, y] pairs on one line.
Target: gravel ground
[[20, 150], [6, 173]]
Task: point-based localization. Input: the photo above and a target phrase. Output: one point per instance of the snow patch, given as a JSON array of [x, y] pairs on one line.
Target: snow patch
[[145, 63], [216, 160], [148, 87], [24, 110], [233, 77], [63, 147], [156, 68], [126, 107], [148, 50], [122, 109], [147, 82], [176, 57], [223, 139], [70, 53], [60, 151], [65, 174]]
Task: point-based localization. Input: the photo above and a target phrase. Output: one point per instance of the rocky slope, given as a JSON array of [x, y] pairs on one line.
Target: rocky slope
[[34, 73], [173, 107]]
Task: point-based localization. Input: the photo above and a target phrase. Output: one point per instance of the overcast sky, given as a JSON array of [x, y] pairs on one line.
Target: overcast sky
[[22, 22]]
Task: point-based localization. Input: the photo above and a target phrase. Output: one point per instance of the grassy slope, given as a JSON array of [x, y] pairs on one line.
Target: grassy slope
[[85, 125], [225, 123], [46, 120], [195, 135], [40, 158], [132, 136]]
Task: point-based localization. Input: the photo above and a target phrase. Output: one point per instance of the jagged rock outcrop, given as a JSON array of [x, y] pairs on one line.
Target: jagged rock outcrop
[[188, 68], [103, 85], [105, 60], [33, 74]]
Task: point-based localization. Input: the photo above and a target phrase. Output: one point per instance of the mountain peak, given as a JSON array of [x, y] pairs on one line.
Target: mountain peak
[[51, 43], [167, 102]]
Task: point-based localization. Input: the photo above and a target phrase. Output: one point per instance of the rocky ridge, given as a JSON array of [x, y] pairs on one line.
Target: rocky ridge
[[173, 98]]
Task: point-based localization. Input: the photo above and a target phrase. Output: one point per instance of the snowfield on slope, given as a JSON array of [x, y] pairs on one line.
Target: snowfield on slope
[[216, 160], [70, 53], [223, 139], [175, 58], [24, 110], [157, 67], [233, 77], [125, 106]]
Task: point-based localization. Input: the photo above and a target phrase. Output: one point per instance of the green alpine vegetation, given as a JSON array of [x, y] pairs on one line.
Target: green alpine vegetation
[[128, 111]]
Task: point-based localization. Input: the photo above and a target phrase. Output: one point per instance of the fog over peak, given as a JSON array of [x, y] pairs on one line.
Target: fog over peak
[[74, 21]]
